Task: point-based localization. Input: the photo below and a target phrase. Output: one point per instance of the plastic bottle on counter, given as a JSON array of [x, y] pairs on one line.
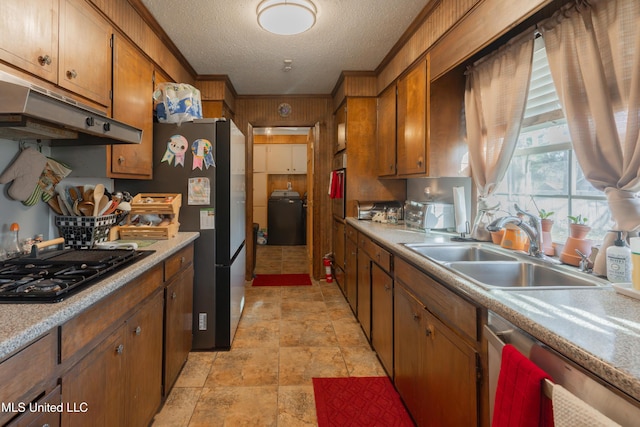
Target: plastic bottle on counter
[[635, 262], [619, 261], [12, 244]]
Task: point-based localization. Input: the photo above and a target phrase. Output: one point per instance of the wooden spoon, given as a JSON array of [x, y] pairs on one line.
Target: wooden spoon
[[98, 193], [53, 204], [85, 208], [104, 204]]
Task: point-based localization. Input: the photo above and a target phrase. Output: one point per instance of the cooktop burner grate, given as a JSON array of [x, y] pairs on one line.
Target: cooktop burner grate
[[53, 276]]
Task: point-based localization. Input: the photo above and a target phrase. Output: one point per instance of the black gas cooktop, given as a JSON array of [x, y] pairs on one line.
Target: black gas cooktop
[[52, 276]]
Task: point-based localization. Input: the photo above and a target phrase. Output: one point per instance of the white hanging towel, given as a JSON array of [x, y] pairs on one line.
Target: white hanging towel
[[460, 209], [569, 411]]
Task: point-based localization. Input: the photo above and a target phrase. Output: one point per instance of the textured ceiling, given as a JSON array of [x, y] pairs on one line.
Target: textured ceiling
[[223, 37]]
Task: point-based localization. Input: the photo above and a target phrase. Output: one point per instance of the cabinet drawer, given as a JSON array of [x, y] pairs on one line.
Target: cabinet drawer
[[43, 417], [91, 323], [177, 262], [378, 255], [352, 233], [449, 307], [29, 367]]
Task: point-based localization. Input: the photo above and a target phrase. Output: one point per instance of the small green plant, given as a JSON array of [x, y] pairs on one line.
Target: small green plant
[[544, 214], [578, 220]]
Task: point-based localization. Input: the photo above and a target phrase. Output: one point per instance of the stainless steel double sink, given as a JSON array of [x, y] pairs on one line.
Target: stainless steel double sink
[[493, 268]]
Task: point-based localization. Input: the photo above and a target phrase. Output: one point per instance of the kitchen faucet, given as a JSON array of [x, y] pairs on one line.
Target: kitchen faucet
[[532, 228]]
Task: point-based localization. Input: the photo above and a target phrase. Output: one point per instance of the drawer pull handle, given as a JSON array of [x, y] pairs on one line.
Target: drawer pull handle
[[121, 160], [72, 74], [138, 330], [428, 331], [120, 349], [416, 316], [44, 60]]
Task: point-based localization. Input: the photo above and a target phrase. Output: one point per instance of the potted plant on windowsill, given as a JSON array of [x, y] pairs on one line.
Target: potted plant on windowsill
[[546, 224], [578, 230]]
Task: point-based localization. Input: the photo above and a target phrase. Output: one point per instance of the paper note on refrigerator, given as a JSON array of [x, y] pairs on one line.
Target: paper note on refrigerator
[[199, 191], [207, 219]]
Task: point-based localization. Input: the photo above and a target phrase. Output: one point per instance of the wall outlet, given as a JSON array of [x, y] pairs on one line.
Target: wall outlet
[[202, 321]]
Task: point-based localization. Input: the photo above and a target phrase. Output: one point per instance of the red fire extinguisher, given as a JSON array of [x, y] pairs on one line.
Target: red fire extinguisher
[[327, 268]]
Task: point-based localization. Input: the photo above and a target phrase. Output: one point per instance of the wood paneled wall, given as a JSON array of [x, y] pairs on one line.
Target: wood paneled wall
[[127, 15], [280, 139], [262, 111], [354, 83]]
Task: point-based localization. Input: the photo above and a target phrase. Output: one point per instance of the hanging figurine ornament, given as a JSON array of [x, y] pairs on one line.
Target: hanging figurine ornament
[[176, 149], [202, 153]]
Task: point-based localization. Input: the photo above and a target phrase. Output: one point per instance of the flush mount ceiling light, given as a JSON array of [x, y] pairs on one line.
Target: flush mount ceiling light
[[286, 17]]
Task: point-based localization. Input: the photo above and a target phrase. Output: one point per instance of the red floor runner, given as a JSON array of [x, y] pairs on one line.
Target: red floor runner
[[359, 402], [281, 280]]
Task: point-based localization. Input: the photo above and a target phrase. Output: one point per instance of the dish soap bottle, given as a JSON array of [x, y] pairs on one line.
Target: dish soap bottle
[[619, 261]]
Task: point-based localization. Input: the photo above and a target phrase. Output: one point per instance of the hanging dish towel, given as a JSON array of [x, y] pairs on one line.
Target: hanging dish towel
[[569, 411], [520, 401]]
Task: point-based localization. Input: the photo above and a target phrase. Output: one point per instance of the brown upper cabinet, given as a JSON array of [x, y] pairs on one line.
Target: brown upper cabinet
[[420, 125], [387, 132], [133, 76], [412, 142], [84, 65], [29, 36], [65, 42]]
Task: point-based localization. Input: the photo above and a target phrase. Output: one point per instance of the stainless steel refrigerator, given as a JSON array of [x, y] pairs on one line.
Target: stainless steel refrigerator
[[205, 161]]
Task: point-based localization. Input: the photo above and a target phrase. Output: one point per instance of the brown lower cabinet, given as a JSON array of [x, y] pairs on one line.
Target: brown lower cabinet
[[382, 316], [437, 351], [110, 364], [351, 274], [364, 292], [119, 382]]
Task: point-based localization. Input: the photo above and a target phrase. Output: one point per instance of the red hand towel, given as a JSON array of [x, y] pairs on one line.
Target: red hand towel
[[334, 185], [519, 398], [339, 194]]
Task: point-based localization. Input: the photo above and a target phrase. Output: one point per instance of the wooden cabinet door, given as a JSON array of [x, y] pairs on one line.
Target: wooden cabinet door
[[338, 237], [29, 36], [299, 158], [409, 353], [451, 377], [386, 142], [364, 292], [351, 274], [382, 316], [97, 380], [278, 158], [144, 362], [85, 51], [412, 121], [132, 104], [177, 326]]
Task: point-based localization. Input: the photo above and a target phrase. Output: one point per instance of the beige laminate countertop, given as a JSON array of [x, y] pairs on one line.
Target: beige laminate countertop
[[596, 328], [22, 323]]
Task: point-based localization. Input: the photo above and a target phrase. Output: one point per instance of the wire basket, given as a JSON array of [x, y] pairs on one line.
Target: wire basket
[[85, 231]]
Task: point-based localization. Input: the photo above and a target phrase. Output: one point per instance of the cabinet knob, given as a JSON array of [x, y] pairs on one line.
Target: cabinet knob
[[120, 160], [72, 74], [420, 160], [174, 295], [44, 60], [138, 330], [429, 331], [120, 349], [387, 288], [182, 260], [416, 316], [45, 425], [390, 167]]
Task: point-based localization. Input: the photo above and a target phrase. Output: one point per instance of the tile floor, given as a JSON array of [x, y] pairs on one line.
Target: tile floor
[[286, 336]]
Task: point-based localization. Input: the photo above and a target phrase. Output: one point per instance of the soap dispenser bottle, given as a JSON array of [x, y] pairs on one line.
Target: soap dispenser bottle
[[619, 261]]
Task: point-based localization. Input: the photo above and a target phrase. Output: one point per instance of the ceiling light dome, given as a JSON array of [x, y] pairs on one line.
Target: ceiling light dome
[[286, 17]]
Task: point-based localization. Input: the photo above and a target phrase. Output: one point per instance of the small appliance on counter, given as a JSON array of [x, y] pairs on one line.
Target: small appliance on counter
[[429, 215], [367, 210]]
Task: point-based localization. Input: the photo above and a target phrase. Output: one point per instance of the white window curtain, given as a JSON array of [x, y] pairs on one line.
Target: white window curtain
[[594, 56], [495, 99]]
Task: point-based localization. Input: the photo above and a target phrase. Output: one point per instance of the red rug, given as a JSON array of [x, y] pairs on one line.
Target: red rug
[[359, 402], [282, 280]]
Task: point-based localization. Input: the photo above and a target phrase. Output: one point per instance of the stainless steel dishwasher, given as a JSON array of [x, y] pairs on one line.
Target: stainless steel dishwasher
[[594, 391]]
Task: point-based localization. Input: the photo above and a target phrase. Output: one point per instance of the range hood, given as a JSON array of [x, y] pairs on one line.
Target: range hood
[[28, 111]]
